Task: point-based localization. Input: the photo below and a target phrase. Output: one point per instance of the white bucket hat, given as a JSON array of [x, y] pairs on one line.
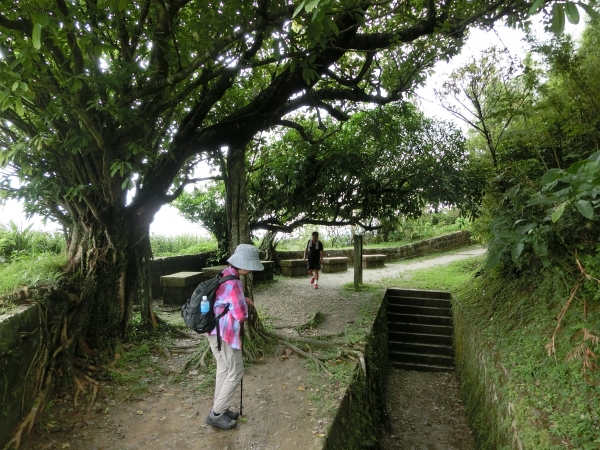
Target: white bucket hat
[[246, 257]]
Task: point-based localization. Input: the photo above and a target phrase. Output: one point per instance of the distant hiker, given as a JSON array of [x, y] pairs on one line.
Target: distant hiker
[[230, 362], [314, 251]]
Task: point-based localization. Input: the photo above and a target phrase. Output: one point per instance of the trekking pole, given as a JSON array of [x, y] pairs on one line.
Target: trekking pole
[[242, 380]]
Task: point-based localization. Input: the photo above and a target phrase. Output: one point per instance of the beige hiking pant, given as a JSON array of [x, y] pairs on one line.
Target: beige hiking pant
[[230, 370]]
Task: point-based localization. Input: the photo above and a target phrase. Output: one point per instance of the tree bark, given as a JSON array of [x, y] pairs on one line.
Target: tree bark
[[112, 262], [256, 339]]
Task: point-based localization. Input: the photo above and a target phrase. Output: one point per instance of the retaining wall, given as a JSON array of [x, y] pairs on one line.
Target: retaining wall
[[362, 412], [21, 349], [485, 385], [444, 243]]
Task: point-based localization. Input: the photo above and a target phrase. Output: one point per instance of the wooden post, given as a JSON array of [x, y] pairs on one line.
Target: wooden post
[[358, 249]]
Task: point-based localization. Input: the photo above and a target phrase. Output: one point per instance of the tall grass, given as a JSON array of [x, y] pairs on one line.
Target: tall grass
[[28, 270], [16, 240], [184, 244]]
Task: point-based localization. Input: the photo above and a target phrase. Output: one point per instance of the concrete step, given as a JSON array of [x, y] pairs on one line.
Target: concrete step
[[424, 338], [422, 358], [396, 292], [420, 328], [419, 301], [421, 347], [418, 318], [416, 309], [422, 367]]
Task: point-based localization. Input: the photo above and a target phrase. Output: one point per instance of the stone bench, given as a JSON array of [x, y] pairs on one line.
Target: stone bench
[[373, 261], [264, 275], [294, 267], [178, 287], [335, 264], [258, 276]]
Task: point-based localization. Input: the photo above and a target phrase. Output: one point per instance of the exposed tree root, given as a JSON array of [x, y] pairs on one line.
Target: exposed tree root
[[316, 319], [318, 362], [317, 342], [202, 362], [173, 329]]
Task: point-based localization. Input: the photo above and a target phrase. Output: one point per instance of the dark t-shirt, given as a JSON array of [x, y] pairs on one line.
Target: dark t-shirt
[[314, 250]]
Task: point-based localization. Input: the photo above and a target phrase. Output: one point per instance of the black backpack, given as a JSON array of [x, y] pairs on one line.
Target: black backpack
[[205, 323]]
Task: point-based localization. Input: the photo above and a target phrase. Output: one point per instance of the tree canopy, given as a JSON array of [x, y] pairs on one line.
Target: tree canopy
[[107, 105], [382, 162]]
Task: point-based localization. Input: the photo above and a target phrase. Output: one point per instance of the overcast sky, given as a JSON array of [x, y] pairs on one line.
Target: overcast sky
[[169, 222]]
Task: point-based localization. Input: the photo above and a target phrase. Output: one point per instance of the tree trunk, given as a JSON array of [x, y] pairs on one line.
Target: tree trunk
[[256, 339], [112, 262]]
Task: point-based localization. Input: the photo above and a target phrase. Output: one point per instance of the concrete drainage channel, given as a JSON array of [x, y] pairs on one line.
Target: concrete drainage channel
[[407, 395]]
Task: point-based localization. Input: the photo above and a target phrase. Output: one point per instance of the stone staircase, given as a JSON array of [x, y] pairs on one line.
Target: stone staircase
[[420, 330]]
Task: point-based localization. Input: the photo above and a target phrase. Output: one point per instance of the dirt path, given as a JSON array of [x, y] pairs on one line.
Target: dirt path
[[287, 405]]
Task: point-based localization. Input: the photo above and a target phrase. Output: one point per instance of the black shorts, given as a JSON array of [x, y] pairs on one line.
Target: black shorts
[[313, 265]]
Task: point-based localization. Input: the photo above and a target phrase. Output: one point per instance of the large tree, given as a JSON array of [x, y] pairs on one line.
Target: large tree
[[107, 105]]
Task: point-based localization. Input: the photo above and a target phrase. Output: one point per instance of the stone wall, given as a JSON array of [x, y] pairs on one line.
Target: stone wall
[[444, 243], [174, 264], [21, 350]]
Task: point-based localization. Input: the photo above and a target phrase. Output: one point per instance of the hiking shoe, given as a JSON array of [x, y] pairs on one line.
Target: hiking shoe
[[316, 286], [312, 280], [222, 421], [234, 415]]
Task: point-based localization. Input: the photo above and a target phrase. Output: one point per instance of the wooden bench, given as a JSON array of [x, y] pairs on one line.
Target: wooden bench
[[373, 261], [335, 264], [178, 287], [294, 267], [258, 276]]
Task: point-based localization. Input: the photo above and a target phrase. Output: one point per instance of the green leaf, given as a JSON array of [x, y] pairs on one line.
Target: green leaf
[[19, 107], [298, 9], [517, 250], [122, 5], [590, 11], [311, 4], [541, 200], [558, 211], [526, 228], [558, 18], [551, 175], [585, 208], [572, 13], [536, 5], [15, 85], [37, 36], [494, 256]]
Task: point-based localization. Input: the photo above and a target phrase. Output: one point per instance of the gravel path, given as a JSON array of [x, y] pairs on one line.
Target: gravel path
[[290, 302]]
